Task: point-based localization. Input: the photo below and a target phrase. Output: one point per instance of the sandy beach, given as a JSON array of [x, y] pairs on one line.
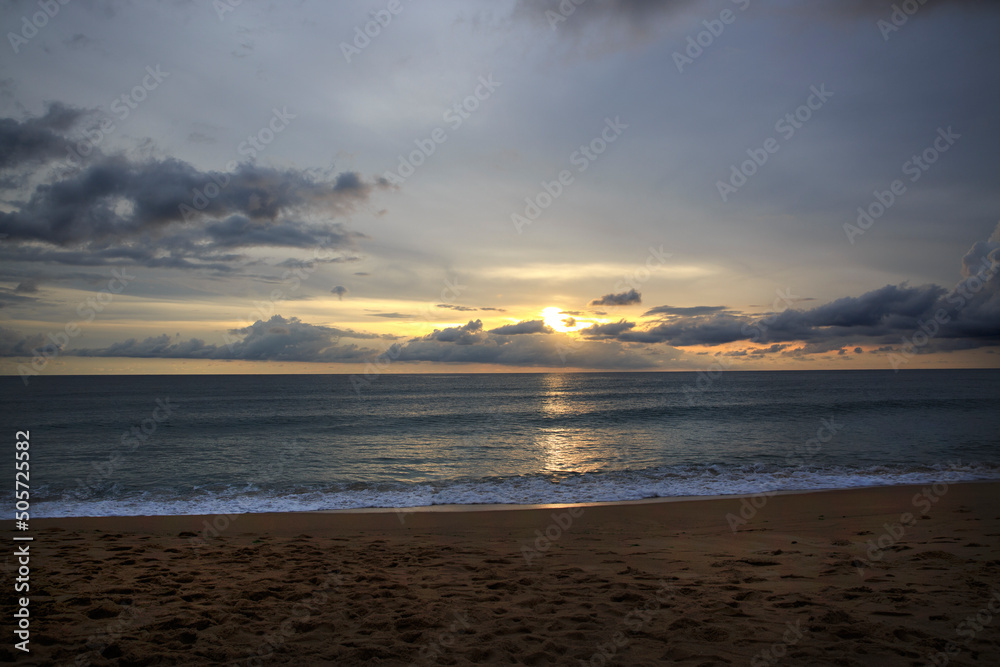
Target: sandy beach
[[887, 576]]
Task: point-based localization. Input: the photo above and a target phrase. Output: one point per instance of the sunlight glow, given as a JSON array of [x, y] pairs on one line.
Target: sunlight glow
[[555, 318]]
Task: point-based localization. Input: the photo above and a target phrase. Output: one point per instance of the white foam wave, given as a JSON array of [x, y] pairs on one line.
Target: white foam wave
[[530, 489]]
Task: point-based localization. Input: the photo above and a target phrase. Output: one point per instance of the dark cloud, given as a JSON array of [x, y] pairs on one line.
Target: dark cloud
[[686, 312], [601, 24], [163, 212], [14, 344], [608, 330], [289, 339], [623, 299], [278, 339], [598, 27], [764, 351], [569, 322], [116, 201], [524, 327], [340, 291], [866, 9], [467, 334], [965, 317], [393, 316], [469, 344], [37, 140], [27, 287], [641, 18]]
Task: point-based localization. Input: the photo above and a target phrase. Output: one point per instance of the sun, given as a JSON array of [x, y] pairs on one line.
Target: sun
[[556, 320]]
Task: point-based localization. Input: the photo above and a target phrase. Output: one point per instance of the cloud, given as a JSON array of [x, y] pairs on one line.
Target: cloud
[[599, 26], [764, 351], [13, 344], [393, 316], [29, 286], [340, 291], [37, 140], [865, 9], [523, 327], [623, 299], [469, 344], [687, 312], [608, 330], [277, 339], [163, 212], [452, 306], [965, 317]]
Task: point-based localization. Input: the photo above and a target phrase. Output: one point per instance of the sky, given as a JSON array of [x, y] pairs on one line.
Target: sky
[[488, 186]]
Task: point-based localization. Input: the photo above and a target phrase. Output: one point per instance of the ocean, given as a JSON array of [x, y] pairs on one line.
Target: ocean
[[149, 445]]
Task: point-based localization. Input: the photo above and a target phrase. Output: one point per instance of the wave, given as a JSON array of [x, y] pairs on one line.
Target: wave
[[608, 486]]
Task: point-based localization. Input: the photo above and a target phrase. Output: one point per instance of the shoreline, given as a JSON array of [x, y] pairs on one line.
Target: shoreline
[[510, 507]]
